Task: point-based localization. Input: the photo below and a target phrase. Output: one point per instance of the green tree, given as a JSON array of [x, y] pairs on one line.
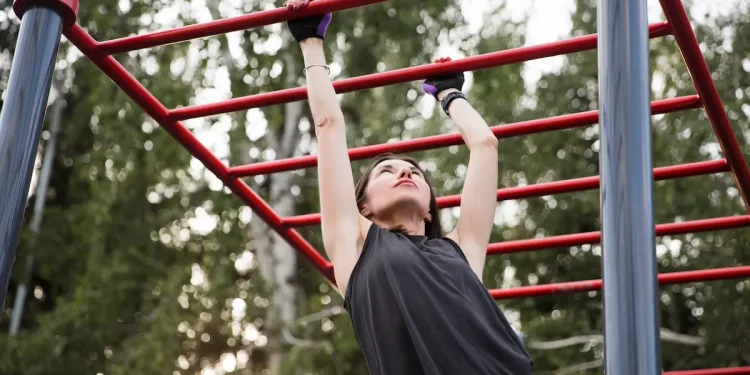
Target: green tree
[[115, 252]]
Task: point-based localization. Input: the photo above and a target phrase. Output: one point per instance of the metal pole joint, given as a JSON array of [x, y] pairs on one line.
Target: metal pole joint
[[68, 9]]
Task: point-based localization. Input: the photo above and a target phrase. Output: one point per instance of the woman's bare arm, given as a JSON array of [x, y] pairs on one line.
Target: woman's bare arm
[[340, 217], [479, 195]]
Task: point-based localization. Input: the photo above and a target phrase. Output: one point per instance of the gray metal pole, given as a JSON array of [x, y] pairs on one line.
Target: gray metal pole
[[631, 323], [21, 124], [39, 203]]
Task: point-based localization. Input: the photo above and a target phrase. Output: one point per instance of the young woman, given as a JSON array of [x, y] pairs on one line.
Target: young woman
[[415, 297]]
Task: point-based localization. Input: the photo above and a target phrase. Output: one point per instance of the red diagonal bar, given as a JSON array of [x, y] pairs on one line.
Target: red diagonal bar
[[577, 239], [444, 140], [155, 109], [712, 371], [261, 208], [141, 96], [488, 60], [556, 187], [223, 26], [589, 285], [704, 84]]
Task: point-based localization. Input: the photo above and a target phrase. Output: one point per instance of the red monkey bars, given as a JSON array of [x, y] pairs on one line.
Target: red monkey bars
[[677, 24]]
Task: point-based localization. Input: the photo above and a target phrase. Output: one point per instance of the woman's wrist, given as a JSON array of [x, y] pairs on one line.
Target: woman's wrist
[[449, 98], [312, 51], [442, 94], [311, 43]]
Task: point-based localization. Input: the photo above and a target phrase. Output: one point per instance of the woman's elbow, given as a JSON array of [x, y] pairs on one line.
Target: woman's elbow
[[328, 118], [488, 142]]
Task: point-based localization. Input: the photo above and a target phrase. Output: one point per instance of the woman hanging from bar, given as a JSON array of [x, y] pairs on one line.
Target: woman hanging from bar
[[415, 296]]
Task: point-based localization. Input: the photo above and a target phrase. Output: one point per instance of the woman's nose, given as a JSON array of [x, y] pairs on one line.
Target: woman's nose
[[404, 172]]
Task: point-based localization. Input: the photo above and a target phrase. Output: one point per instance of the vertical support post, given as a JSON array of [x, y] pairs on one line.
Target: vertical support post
[[23, 114], [41, 199], [631, 328]]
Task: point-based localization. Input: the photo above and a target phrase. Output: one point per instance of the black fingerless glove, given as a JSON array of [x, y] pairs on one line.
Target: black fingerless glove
[[435, 85], [310, 27]]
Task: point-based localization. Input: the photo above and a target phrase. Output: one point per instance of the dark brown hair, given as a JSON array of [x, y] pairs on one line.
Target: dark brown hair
[[432, 228]]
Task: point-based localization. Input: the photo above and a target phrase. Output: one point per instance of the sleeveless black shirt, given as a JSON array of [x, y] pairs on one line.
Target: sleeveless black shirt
[[418, 308]]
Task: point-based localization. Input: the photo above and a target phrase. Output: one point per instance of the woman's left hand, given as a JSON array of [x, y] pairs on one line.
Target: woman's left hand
[[435, 85]]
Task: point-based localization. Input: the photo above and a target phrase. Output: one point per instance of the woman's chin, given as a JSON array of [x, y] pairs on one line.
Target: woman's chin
[[410, 200]]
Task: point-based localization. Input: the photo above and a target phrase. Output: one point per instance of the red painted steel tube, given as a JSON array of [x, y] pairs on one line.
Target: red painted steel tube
[[444, 140], [556, 187], [704, 84], [589, 285], [155, 109], [577, 239], [223, 26], [713, 371], [488, 60]]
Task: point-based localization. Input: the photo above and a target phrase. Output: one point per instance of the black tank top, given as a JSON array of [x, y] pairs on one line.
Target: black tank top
[[418, 308]]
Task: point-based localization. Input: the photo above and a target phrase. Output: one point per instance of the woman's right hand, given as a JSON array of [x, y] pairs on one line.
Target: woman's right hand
[[308, 27]]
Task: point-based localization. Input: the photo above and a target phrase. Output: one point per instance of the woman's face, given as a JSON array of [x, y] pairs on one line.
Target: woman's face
[[396, 185]]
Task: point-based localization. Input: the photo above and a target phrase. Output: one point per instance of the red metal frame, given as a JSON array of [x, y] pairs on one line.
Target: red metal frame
[[444, 140], [488, 60], [704, 84], [156, 109], [223, 26], [677, 24], [555, 187], [713, 371], [97, 53], [593, 285], [577, 239]]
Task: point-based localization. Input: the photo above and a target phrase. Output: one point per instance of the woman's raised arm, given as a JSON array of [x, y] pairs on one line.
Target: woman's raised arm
[[479, 194], [340, 216]]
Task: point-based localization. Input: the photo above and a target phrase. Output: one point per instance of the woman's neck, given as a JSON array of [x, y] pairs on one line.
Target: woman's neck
[[411, 224]]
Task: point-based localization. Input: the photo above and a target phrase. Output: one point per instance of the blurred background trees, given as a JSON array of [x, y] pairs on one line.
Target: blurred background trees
[[146, 264]]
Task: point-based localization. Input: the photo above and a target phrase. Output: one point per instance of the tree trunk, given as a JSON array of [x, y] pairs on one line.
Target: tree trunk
[[277, 261]]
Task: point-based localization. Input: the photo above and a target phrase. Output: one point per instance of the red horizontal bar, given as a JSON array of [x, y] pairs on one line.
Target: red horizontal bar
[[712, 371], [155, 109], [589, 285], [556, 187], [444, 140], [223, 26], [488, 60], [577, 239], [704, 84]]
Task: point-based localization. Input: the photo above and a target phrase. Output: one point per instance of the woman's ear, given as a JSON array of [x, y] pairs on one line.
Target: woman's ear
[[428, 218]]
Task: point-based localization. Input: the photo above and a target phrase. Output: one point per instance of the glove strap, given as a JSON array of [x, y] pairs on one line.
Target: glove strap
[[446, 102]]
